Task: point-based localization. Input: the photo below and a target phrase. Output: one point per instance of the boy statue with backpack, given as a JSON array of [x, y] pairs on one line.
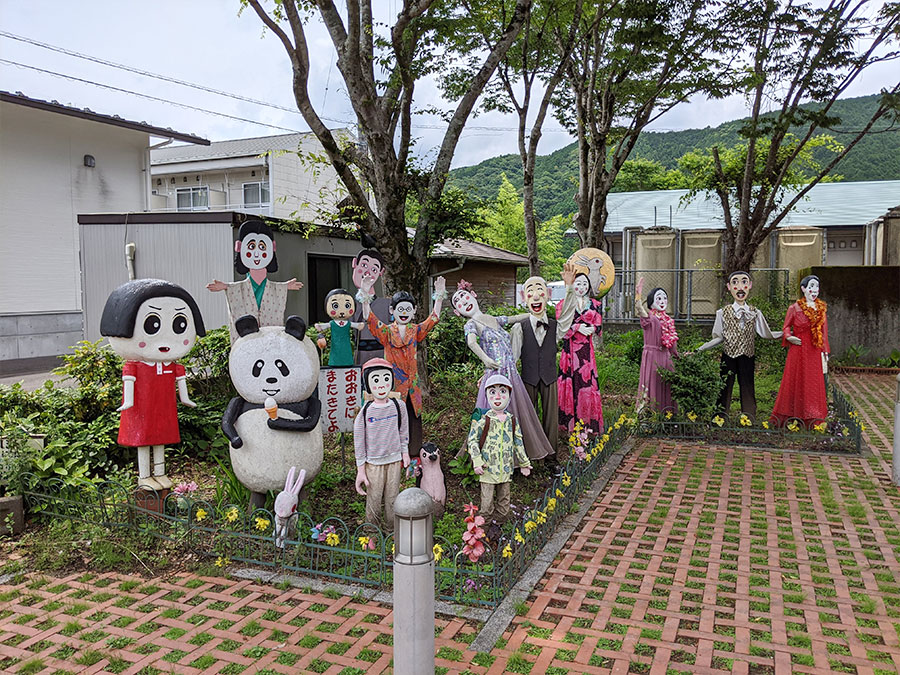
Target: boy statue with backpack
[[381, 444], [496, 447]]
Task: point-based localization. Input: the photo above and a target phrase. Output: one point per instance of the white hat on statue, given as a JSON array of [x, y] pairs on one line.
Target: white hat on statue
[[498, 379]]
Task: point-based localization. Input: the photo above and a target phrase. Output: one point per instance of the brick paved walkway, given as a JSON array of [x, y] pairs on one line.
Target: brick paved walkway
[[694, 559], [710, 559]]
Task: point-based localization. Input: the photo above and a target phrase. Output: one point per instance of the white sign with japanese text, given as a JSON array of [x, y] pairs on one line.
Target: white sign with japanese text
[[340, 392]]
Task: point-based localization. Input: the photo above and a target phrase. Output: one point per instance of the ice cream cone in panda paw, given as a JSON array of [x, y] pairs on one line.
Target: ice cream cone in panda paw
[[271, 407]]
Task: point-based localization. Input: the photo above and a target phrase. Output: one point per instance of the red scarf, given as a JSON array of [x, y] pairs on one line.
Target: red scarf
[[667, 323]]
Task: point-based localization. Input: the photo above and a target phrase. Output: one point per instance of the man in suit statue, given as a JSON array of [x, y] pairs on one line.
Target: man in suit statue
[[735, 328], [535, 337]]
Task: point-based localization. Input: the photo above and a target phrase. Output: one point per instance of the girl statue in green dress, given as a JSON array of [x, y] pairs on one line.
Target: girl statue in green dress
[[340, 306]]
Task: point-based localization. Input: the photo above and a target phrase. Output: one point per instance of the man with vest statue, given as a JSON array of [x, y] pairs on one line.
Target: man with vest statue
[[736, 328], [535, 337]]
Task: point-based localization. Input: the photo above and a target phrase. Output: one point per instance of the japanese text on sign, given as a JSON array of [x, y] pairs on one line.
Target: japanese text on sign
[[340, 394]]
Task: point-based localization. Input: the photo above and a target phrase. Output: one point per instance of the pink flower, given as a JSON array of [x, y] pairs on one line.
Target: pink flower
[[185, 488], [470, 508], [474, 551]]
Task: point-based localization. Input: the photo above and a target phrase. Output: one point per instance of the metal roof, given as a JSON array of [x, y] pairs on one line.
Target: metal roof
[[826, 205], [473, 250], [239, 147], [87, 114]]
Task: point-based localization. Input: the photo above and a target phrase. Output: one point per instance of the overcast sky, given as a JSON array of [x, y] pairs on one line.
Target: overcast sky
[[206, 42]]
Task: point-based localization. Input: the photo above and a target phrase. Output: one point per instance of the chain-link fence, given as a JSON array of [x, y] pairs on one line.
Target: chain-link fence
[[694, 294]]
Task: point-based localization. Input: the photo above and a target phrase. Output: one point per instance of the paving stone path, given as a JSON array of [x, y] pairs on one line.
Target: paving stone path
[[698, 559]]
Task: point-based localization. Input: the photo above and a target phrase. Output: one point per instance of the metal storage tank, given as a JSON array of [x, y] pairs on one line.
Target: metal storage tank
[[701, 289], [797, 248], [656, 257]]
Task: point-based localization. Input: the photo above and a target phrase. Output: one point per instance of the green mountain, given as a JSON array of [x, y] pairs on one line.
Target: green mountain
[[876, 157]]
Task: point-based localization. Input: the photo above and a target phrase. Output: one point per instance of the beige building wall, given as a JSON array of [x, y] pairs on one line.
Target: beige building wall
[[43, 186], [298, 189]]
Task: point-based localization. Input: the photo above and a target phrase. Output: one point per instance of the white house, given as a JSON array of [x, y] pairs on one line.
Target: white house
[[269, 175], [58, 161]]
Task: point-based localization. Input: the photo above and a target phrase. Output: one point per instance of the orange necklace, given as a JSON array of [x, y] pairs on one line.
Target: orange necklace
[[816, 316]]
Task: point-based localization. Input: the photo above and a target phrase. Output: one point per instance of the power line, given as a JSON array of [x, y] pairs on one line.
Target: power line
[[227, 94], [147, 96]]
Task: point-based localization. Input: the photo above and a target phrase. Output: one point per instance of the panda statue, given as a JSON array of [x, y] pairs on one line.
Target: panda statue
[[273, 424]]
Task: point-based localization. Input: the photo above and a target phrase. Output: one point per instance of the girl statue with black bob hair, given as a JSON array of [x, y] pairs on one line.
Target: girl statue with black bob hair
[[257, 295], [151, 323]]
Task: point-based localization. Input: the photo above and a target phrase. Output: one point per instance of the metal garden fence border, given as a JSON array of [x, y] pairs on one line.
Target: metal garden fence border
[[333, 548], [844, 425]]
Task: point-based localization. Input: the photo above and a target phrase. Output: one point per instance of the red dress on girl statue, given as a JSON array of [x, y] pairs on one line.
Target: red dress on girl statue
[[802, 392], [153, 419]]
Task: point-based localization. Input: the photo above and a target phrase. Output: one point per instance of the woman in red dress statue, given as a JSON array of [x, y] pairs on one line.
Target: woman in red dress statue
[[802, 393]]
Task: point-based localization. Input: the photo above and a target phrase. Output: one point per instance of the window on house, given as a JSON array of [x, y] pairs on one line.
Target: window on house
[[256, 194], [193, 198]]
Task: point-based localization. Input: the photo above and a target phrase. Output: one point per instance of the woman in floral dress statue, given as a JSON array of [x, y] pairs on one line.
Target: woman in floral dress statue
[[579, 393]]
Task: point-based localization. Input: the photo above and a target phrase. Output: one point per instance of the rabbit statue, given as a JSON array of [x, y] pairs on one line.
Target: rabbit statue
[[286, 505]]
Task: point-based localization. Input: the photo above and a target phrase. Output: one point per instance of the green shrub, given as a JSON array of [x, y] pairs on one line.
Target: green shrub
[[629, 345], [695, 382], [207, 366], [81, 422]]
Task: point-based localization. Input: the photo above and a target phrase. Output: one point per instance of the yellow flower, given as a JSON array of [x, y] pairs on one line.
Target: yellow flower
[[566, 480], [393, 549], [560, 493], [765, 424], [518, 537], [668, 414], [845, 430], [363, 542], [604, 439], [262, 523], [551, 504], [232, 514], [332, 539], [530, 525], [718, 421], [541, 517], [200, 515], [820, 427], [862, 427], [692, 416], [222, 561], [438, 551], [745, 421], [793, 426], [507, 551]]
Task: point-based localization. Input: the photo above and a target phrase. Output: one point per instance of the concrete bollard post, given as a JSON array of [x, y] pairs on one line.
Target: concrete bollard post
[[413, 583], [896, 472]]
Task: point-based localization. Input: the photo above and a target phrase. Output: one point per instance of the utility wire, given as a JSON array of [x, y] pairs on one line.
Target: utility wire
[[227, 94], [147, 96]]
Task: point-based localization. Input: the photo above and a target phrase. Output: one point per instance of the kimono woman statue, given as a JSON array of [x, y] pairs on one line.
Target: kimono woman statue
[[579, 394], [488, 340], [802, 392], [660, 345], [258, 296]]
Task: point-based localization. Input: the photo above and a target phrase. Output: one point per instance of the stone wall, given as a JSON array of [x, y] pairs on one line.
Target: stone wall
[[863, 308]]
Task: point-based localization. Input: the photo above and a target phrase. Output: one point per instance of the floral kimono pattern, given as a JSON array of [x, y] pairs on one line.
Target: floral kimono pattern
[[577, 386]]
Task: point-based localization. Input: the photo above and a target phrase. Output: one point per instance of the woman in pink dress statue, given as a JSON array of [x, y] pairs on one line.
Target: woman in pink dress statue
[[660, 345], [578, 391]]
